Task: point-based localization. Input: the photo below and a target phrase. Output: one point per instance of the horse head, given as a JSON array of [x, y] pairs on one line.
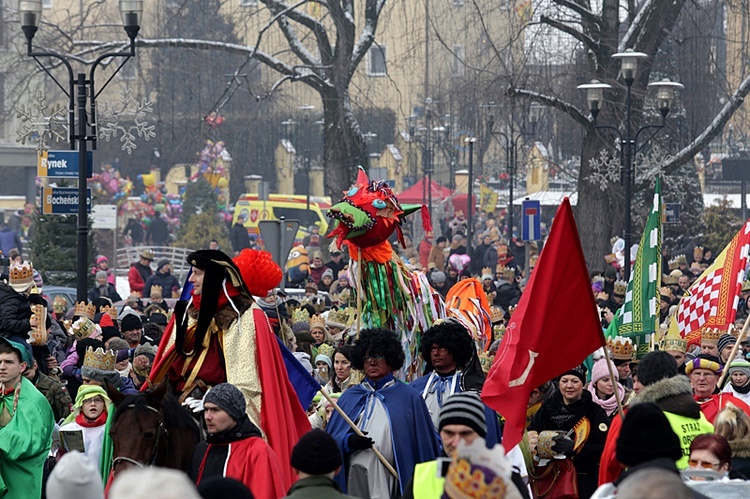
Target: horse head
[[139, 432]]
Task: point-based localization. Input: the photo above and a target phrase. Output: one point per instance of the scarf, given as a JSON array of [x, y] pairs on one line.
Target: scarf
[[88, 423], [6, 412], [609, 404]]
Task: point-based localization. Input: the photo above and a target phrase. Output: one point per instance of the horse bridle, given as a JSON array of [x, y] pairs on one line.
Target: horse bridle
[[160, 431]]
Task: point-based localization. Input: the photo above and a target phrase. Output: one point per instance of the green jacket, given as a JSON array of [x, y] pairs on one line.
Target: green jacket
[[56, 394], [316, 487], [24, 443]]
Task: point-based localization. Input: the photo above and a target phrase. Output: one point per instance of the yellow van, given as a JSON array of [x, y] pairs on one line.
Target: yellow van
[[291, 207]]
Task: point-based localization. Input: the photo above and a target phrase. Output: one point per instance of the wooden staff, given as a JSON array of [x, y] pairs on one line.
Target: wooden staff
[[341, 412], [736, 346], [614, 380]]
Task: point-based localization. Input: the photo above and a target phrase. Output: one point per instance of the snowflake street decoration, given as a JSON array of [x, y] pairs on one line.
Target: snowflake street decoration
[[116, 119], [41, 123], [605, 170], [651, 165]]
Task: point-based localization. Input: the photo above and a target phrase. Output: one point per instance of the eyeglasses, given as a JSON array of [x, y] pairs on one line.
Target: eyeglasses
[[697, 463], [702, 374], [374, 358], [436, 348]]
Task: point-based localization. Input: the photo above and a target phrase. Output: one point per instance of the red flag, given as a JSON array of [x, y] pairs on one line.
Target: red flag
[[555, 326]]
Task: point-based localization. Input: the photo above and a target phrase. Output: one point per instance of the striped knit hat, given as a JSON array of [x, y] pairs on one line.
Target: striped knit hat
[[464, 408]]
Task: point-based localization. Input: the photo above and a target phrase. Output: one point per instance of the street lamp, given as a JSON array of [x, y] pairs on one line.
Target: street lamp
[[511, 146], [470, 194], [30, 13], [629, 144]]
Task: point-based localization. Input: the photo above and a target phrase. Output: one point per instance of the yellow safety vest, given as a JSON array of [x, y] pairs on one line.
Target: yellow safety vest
[[687, 429], [425, 482]]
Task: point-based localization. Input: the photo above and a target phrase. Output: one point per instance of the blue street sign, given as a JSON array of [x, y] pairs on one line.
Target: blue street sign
[[62, 164], [671, 213], [531, 215], [63, 200]]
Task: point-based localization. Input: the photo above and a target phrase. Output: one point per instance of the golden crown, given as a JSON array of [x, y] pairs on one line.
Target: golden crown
[[487, 270], [485, 360], [110, 310], [84, 309], [463, 480], [597, 278], [38, 334], [698, 251], [711, 335], [21, 273], [673, 343], [681, 260], [621, 287], [59, 304], [100, 359], [82, 328], [498, 331], [156, 291], [319, 321], [301, 315], [338, 318], [497, 314], [665, 291], [673, 264], [508, 273], [327, 350], [669, 279], [622, 348]]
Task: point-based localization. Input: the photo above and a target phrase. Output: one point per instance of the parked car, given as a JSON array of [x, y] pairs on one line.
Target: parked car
[[51, 292]]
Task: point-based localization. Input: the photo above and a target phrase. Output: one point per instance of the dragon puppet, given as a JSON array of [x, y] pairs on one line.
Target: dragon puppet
[[389, 293]]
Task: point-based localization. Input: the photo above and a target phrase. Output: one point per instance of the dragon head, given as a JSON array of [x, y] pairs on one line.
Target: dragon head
[[369, 212]]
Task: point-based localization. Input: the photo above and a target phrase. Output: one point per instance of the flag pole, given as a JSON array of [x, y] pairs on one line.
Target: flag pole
[[614, 380], [736, 346], [341, 412]]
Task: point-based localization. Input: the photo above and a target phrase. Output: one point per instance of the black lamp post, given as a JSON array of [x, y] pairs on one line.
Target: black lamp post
[[629, 143], [30, 12], [511, 147], [470, 194], [306, 122]]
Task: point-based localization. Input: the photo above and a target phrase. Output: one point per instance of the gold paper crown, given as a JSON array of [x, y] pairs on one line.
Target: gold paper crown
[[110, 310], [21, 273], [156, 290], [319, 321], [673, 341], [498, 331], [338, 318], [673, 264], [485, 360], [621, 287], [622, 348], [327, 350], [497, 314], [463, 480], [681, 260], [711, 335], [82, 328], [301, 315], [59, 304], [100, 359], [508, 273], [597, 278], [698, 250], [746, 286], [669, 279], [84, 309], [486, 271], [666, 291]]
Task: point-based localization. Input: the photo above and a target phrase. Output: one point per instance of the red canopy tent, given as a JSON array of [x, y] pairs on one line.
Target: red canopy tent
[[418, 193]]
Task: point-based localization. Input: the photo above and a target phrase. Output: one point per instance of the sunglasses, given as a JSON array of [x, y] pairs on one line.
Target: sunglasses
[[702, 464]]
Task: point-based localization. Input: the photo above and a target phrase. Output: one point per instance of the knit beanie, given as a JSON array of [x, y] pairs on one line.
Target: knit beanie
[[321, 357], [600, 370], [655, 366], [465, 408], [75, 475], [438, 276], [741, 366], [646, 435], [130, 322], [162, 262], [316, 453], [725, 340], [219, 487], [228, 398], [102, 274], [578, 371], [327, 273]]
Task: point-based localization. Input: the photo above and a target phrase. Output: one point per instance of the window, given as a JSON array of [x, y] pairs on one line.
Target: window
[[457, 65], [47, 4], [248, 3], [376, 63]]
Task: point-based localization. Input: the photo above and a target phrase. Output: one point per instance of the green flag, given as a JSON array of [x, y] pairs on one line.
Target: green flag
[[639, 314]]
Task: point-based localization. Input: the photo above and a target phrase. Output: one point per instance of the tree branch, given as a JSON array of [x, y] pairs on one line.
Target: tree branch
[[636, 26], [588, 42], [582, 11], [554, 102], [713, 129], [282, 13], [363, 44]]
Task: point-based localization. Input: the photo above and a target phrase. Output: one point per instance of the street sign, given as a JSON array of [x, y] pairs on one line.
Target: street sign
[[63, 200], [531, 214], [671, 213], [104, 216], [278, 238], [62, 164]]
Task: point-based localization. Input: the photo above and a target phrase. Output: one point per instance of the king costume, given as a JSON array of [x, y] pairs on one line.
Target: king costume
[[395, 417]]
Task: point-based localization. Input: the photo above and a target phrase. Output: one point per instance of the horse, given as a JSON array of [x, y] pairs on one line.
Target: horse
[[152, 429]]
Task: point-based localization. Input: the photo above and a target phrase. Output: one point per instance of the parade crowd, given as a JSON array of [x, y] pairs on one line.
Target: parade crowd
[[223, 360]]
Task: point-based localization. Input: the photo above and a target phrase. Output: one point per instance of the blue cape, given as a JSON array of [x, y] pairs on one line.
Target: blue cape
[[494, 433], [413, 434]]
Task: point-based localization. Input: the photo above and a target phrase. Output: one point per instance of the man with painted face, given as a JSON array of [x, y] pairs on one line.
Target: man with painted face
[[392, 415]]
